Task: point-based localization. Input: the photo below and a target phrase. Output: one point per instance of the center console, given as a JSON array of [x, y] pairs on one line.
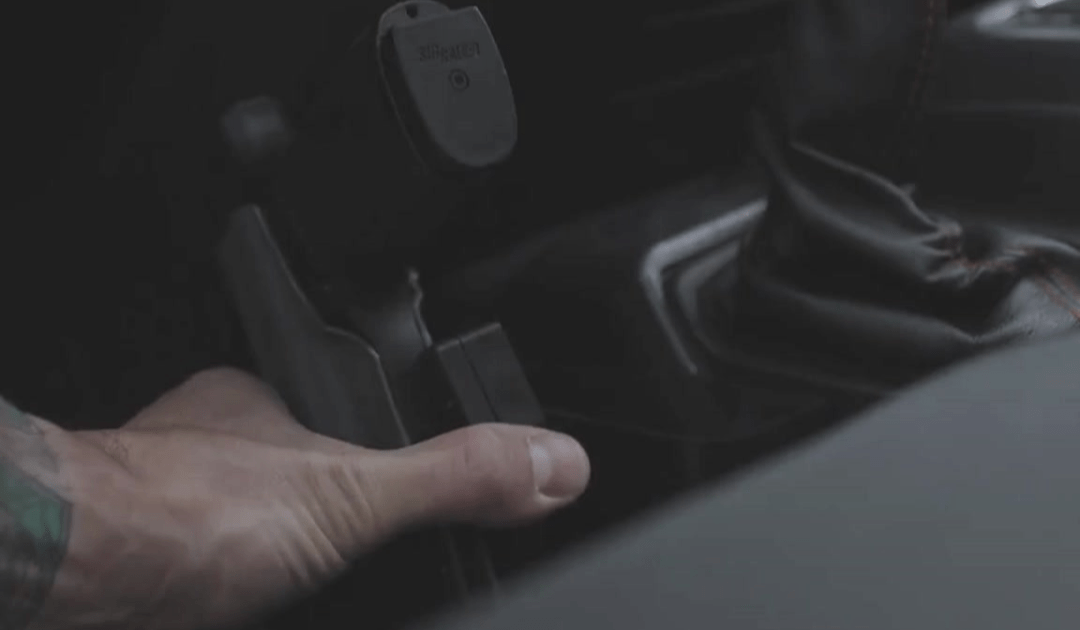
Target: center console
[[687, 329], [362, 224]]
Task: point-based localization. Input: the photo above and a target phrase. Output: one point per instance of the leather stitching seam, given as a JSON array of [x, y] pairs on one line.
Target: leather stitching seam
[[1066, 283], [923, 61], [1059, 292], [1051, 292], [920, 75]]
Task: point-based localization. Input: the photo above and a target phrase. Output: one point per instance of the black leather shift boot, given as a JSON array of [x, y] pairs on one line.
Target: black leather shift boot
[[845, 268]]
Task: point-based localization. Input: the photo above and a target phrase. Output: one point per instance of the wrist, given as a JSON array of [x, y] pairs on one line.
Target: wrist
[[128, 543]]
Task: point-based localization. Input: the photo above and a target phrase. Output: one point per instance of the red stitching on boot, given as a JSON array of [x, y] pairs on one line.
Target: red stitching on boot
[[1003, 264], [1052, 293], [1008, 260], [923, 65], [1067, 285], [911, 117]]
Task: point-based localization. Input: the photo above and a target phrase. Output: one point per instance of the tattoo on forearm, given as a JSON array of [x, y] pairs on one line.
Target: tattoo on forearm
[[35, 520]]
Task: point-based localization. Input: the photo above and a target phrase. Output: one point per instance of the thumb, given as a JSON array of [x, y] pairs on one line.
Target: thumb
[[486, 474]]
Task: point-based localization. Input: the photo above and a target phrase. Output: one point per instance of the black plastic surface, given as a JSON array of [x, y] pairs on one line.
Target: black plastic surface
[[476, 378], [1004, 109], [1007, 54], [1034, 19], [448, 84], [503, 382], [366, 387], [952, 507], [257, 131], [615, 342], [339, 385], [332, 380]]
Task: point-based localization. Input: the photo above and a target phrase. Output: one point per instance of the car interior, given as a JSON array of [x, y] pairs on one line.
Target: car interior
[[767, 260]]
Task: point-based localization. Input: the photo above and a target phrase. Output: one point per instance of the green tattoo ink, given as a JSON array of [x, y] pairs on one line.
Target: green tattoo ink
[[35, 521]]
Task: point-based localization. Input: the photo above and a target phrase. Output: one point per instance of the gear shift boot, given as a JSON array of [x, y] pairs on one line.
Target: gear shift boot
[[845, 269], [846, 278]]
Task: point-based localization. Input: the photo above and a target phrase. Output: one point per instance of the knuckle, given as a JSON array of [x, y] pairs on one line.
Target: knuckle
[[235, 390]]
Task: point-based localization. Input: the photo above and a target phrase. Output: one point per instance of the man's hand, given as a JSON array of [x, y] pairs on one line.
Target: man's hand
[[213, 503]]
